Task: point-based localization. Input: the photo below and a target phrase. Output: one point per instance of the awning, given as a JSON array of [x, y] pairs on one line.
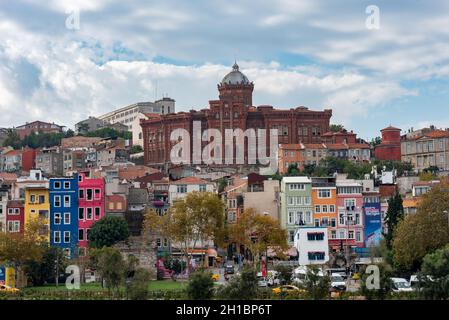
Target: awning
[[292, 252], [211, 252]]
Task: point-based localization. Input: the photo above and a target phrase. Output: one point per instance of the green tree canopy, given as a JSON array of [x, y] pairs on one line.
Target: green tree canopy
[[108, 231], [424, 232], [394, 214]]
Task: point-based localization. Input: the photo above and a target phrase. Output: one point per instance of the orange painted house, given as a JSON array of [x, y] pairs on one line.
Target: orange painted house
[[324, 200]]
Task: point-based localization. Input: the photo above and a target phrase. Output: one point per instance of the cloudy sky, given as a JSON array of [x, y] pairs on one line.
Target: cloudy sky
[[318, 53]]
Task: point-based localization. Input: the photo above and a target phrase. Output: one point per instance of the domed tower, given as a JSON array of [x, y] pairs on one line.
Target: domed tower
[[236, 88]]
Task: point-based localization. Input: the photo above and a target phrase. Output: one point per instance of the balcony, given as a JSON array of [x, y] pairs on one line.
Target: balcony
[[159, 203]]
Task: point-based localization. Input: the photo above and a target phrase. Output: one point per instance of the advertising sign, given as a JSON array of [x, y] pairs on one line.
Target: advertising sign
[[373, 224], [2, 275]]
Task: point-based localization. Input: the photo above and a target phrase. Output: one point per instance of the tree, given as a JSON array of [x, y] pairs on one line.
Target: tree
[[424, 232], [45, 270], [257, 233], [394, 214], [285, 273], [135, 149], [17, 249], [435, 270], [336, 127], [200, 286], [375, 141], [316, 284], [111, 266], [12, 139], [241, 287], [109, 133], [196, 219], [293, 169], [108, 231], [138, 288]]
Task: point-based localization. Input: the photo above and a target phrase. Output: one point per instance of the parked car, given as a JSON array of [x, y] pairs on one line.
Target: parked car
[[229, 269], [273, 278], [300, 275], [215, 277], [261, 281], [287, 289], [338, 282], [416, 283], [5, 288], [400, 285]]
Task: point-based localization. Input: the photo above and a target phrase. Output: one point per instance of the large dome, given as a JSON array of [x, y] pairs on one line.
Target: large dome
[[235, 76]]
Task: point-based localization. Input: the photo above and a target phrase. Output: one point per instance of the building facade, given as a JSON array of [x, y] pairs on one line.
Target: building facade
[[430, 149], [233, 110], [312, 245], [324, 199], [37, 205], [49, 160], [296, 205], [37, 127], [390, 147], [128, 114], [15, 218], [91, 205], [350, 215], [63, 194]]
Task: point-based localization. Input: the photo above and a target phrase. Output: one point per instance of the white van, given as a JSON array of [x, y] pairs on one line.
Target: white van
[[300, 275], [401, 285]]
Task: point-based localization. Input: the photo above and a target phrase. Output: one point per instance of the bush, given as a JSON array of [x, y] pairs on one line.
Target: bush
[[317, 286], [243, 287], [138, 288], [200, 286], [285, 273]]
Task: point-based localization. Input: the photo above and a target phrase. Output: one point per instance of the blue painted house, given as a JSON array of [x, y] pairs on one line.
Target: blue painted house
[[64, 214]]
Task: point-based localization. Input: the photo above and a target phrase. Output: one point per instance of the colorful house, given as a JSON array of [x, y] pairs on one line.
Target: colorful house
[[64, 214], [15, 217], [91, 203], [324, 199], [296, 205], [37, 204], [350, 215]]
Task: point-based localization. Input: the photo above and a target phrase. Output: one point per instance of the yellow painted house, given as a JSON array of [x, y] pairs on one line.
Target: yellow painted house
[[37, 205]]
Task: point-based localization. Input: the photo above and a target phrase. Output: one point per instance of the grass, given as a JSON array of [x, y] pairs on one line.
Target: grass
[[156, 285], [52, 287], [167, 285]]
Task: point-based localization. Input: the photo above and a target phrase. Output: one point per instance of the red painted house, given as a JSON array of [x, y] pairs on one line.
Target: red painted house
[[91, 202], [15, 217]]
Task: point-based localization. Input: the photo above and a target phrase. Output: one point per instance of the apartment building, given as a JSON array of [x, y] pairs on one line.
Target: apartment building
[[313, 245], [350, 215], [426, 150], [178, 189], [49, 160], [324, 200], [128, 114], [296, 205]]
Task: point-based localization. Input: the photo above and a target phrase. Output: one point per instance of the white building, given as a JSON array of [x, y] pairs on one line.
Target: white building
[[179, 189], [136, 129], [128, 114], [312, 245]]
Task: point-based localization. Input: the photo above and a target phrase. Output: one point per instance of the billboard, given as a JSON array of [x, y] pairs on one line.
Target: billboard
[[373, 224], [2, 275]]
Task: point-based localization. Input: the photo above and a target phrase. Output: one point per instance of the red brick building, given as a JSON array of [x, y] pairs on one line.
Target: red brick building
[[36, 127], [390, 147], [233, 110]]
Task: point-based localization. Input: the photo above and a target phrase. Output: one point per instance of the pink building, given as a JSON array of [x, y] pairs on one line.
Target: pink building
[[91, 203], [350, 215]]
